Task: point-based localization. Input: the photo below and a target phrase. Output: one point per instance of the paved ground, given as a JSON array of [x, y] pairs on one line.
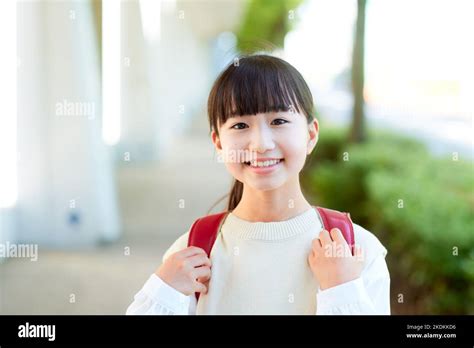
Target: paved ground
[[104, 280]]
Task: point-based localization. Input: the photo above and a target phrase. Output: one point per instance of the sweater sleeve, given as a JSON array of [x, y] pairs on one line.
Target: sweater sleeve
[[367, 295], [156, 297]]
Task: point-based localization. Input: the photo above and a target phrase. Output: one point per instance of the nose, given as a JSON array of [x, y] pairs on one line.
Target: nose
[[261, 140]]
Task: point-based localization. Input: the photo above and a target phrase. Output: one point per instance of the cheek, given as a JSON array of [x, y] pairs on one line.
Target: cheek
[[295, 152], [232, 149], [229, 142], [237, 171], [234, 168]]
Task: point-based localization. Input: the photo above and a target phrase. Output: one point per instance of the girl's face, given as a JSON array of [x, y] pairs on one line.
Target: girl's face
[[283, 138]]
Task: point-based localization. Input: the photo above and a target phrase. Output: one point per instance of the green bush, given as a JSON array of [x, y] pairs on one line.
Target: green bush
[[432, 234], [337, 171], [420, 207]]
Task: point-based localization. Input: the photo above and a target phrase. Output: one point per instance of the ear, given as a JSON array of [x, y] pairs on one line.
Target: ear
[[216, 141], [313, 132]]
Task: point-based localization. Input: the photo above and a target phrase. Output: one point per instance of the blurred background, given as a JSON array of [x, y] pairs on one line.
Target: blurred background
[[107, 158]]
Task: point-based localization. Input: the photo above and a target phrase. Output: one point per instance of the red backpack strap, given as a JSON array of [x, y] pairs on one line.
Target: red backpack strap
[[336, 219], [203, 233]]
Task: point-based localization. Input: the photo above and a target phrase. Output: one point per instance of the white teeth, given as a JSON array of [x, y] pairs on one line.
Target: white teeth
[[264, 164]]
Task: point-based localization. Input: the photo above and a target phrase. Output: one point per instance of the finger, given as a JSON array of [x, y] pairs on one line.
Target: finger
[[337, 236], [311, 257], [316, 244], [204, 280], [325, 238], [200, 287], [190, 251], [199, 260], [203, 273]]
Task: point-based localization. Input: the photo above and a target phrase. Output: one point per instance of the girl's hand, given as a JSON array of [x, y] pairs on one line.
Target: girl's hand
[[186, 270], [331, 260]]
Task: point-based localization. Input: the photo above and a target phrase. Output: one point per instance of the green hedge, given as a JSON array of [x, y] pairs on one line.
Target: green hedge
[[419, 206]]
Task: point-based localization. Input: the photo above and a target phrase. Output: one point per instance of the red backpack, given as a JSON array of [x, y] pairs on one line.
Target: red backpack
[[204, 230]]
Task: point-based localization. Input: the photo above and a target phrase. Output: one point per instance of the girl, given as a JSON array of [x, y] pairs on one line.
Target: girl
[[272, 255]]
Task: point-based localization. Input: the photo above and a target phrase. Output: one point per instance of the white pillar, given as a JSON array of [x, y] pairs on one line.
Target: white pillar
[[165, 86], [138, 119], [66, 183], [8, 126]]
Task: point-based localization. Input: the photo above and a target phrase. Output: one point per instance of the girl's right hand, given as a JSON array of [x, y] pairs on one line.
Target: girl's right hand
[[186, 270]]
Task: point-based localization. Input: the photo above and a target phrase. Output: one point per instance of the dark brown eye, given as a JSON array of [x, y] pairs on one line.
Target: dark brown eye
[[239, 124], [280, 119]]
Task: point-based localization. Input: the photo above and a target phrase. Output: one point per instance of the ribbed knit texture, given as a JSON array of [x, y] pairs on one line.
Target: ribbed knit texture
[[271, 231], [262, 268]]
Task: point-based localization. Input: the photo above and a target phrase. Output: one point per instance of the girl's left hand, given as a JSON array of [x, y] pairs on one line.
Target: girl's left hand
[[331, 260]]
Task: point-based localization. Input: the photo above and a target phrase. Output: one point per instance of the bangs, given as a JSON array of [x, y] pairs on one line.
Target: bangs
[[258, 84]]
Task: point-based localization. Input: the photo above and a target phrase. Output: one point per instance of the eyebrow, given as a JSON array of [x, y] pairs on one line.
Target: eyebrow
[[270, 113]]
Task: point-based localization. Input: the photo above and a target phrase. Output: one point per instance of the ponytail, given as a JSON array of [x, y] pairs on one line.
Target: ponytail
[[235, 195]]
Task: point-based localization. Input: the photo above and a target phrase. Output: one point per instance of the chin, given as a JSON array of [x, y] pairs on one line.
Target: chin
[[265, 185]]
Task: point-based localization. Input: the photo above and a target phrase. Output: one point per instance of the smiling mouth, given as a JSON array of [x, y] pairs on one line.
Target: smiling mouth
[[264, 164]]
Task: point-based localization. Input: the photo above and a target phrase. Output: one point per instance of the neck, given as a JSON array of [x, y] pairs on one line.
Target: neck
[[279, 204]]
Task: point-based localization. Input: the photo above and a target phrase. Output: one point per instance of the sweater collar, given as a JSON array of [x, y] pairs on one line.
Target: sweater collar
[[272, 231]]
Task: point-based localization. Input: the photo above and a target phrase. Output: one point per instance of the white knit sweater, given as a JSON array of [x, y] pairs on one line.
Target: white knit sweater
[[262, 268]]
